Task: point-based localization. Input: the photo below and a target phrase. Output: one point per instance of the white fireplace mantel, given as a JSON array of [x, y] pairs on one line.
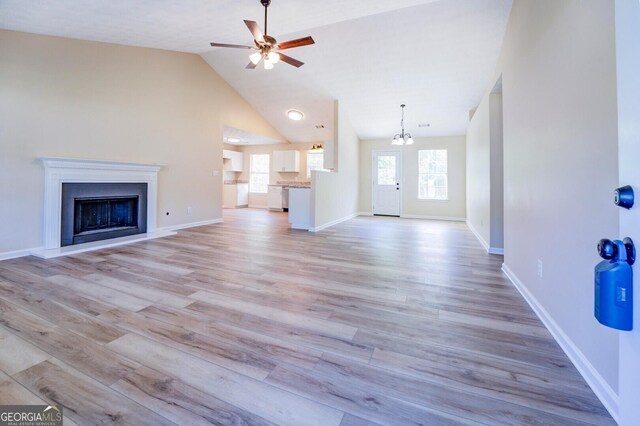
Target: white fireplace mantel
[[62, 170]]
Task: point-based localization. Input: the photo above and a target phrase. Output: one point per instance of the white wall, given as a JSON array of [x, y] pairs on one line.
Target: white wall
[[485, 173], [454, 208], [628, 70], [496, 241], [558, 71], [479, 172], [334, 195], [80, 99]]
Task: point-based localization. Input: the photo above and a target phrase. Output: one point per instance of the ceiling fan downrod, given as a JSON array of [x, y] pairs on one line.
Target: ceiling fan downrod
[[266, 4]]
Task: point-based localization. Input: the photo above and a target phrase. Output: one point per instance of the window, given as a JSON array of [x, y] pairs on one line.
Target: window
[[315, 161], [432, 174], [259, 176], [386, 170]]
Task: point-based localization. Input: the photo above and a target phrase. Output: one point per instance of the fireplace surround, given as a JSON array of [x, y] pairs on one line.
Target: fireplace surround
[[61, 171]]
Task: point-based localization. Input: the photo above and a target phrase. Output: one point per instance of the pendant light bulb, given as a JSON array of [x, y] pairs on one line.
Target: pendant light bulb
[[267, 64], [409, 141], [255, 58], [273, 57]]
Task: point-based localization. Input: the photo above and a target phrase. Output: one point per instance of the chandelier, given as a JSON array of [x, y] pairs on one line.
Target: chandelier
[[402, 138]]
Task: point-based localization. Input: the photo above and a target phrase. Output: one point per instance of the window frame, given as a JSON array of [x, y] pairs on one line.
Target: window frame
[[252, 173], [427, 173], [319, 154]]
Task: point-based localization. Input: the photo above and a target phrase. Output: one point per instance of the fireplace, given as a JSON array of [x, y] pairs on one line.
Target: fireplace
[[100, 211]]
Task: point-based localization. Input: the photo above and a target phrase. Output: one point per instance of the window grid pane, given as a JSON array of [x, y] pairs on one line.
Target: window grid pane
[[259, 174], [387, 170], [432, 174]]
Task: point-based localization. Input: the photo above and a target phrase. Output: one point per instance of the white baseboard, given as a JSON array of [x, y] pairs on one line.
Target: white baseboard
[[425, 217], [490, 250], [98, 245], [255, 206], [600, 387], [18, 253], [332, 223], [191, 225], [420, 216]]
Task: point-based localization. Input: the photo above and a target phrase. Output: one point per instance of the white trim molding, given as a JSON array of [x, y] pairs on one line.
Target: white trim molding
[[598, 384], [426, 217], [191, 225], [18, 253], [61, 170], [490, 250], [332, 223]]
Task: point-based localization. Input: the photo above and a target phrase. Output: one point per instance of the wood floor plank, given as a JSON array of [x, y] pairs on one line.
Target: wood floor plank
[[248, 394], [66, 317], [85, 400], [84, 354], [223, 353], [181, 403], [317, 324], [100, 293], [143, 293], [17, 354], [366, 403]]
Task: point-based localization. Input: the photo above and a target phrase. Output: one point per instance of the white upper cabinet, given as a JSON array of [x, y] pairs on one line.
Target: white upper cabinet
[[232, 160], [286, 161]]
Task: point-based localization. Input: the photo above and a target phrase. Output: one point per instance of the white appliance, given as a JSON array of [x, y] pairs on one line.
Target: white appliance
[[274, 197]]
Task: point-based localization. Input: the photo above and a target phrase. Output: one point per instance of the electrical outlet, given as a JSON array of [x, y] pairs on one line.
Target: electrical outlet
[[189, 210], [539, 268]]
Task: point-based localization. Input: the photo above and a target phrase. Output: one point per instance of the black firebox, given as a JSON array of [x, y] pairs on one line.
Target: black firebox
[[99, 211]]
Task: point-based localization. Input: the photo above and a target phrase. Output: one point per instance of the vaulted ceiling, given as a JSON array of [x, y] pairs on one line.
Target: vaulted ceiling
[[436, 56]]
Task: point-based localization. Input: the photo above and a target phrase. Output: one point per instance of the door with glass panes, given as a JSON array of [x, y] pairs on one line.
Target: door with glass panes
[[386, 192]]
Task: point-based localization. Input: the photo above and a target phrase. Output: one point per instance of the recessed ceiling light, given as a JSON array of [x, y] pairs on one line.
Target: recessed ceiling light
[[233, 140], [295, 115]]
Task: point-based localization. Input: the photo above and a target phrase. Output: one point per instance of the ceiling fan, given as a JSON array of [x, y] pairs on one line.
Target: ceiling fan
[[267, 47]]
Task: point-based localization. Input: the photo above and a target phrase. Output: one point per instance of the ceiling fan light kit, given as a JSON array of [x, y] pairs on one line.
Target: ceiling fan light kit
[[266, 47], [402, 138]]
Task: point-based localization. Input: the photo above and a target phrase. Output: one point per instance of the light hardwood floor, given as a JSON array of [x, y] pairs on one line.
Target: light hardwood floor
[[373, 321]]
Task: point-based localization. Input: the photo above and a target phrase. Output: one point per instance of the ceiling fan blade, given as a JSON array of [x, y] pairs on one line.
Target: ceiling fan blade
[[251, 66], [235, 46], [299, 42], [255, 30], [288, 59]]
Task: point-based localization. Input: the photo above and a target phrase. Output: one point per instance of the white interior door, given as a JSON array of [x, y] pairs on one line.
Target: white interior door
[[386, 183]]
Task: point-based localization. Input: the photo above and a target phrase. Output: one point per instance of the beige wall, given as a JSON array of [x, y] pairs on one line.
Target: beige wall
[[335, 195], [558, 71], [454, 208], [485, 172], [260, 200], [68, 98]]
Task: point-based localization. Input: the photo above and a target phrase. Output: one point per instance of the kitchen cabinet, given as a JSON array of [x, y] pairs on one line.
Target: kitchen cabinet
[[235, 195], [286, 161], [232, 160]]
